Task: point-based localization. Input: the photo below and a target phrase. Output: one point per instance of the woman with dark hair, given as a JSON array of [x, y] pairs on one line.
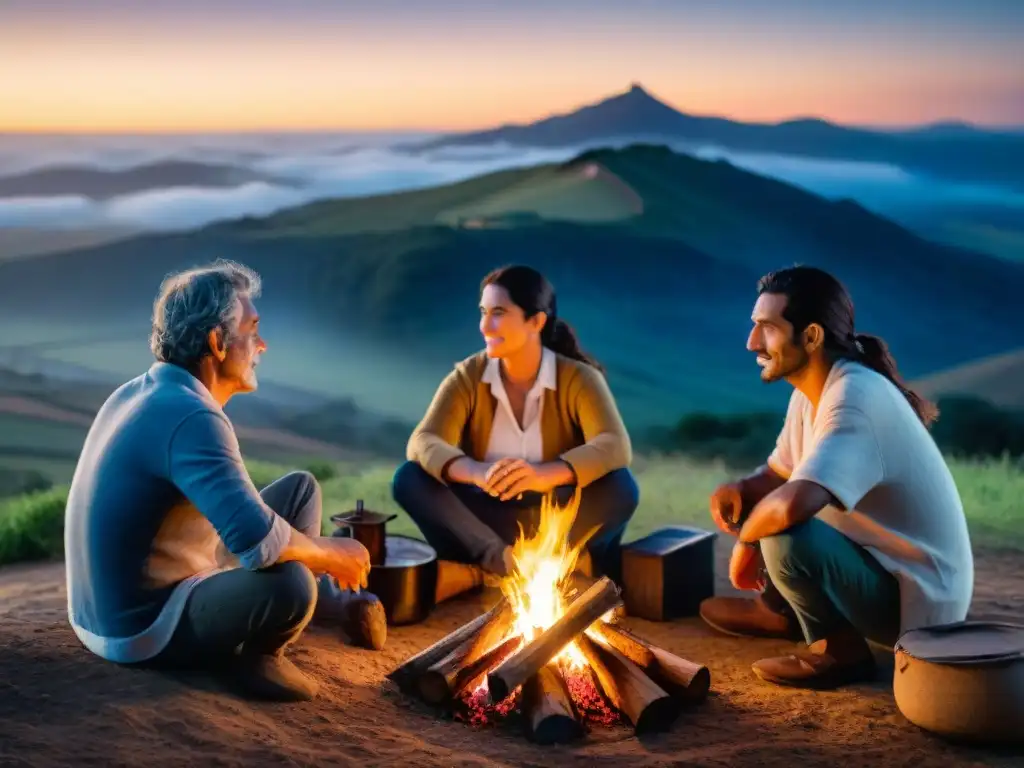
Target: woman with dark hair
[[528, 415]]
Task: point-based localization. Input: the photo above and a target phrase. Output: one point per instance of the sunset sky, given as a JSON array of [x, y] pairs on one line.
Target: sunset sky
[[196, 65]]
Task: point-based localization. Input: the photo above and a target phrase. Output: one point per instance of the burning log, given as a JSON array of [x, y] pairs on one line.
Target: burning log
[[407, 675], [527, 661], [472, 674], [471, 659], [647, 706], [580, 582], [548, 710], [687, 681]]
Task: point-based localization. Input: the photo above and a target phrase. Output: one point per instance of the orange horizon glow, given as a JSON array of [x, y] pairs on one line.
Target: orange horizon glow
[[469, 111], [241, 74]]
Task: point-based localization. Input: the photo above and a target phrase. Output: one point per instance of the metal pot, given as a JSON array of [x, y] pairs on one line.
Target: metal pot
[[407, 582], [368, 528], [964, 681], [403, 570]]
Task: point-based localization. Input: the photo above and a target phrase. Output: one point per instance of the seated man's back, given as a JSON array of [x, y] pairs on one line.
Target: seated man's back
[[134, 544]]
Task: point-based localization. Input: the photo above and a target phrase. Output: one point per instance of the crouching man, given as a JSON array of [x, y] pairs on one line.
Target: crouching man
[[854, 530], [174, 558]]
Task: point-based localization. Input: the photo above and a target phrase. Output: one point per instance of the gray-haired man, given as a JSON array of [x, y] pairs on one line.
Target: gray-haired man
[[173, 556]]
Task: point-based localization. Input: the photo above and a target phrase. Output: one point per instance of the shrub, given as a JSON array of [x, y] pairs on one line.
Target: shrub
[[969, 427], [322, 470], [734, 439], [32, 526]]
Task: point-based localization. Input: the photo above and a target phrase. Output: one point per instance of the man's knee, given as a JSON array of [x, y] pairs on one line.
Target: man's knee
[[791, 552], [306, 485], [293, 591], [297, 497]]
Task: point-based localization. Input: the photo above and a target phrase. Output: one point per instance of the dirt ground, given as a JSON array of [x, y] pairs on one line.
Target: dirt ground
[[60, 706]]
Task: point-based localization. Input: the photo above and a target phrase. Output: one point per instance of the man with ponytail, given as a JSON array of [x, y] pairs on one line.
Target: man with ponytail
[[528, 415], [854, 528]]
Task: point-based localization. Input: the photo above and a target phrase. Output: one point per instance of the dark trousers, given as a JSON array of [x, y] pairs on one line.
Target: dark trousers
[[464, 524], [258, 611], [830, 583]]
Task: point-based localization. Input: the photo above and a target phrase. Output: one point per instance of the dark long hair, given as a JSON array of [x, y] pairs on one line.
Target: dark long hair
[[533, 293], [815, 296]]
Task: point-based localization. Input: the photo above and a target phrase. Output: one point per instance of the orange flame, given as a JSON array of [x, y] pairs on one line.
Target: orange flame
[[537, 587]]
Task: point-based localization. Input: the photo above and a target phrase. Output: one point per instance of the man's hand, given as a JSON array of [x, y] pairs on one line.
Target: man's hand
[[727, 507], [346, 560], [745, 567], [508, 478]]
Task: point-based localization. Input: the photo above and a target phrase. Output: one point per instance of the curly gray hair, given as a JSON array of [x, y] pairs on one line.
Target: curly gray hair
[[193, 303]]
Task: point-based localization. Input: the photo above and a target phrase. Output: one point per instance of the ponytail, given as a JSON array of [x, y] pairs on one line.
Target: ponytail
[[559, 337], [873, 352]]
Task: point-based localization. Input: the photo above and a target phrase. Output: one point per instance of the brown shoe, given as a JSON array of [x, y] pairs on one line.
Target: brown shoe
[[273, 678], [748, 617], [816, 668]]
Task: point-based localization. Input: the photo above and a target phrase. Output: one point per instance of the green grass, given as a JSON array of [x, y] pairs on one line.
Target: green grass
[[673, 491], [556, 194], [379, 213]]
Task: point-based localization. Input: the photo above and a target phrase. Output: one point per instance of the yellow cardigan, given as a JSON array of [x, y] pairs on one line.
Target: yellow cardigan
[[580, 422]]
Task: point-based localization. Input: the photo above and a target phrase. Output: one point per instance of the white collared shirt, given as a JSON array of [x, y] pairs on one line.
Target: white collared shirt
[[507, 439]]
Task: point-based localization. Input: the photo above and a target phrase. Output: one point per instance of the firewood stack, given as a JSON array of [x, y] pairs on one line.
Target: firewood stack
[[648, 685]]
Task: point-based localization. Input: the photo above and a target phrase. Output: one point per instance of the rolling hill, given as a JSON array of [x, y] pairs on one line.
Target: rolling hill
[[999, 379], [963, 154], [18, 242], [655, 256]]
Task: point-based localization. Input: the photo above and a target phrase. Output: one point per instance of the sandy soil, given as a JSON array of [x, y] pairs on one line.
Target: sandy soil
[[61, 706]]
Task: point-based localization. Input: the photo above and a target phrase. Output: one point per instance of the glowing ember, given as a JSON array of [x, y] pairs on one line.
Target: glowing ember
[[476, 709], [536, 589], [592, 706]]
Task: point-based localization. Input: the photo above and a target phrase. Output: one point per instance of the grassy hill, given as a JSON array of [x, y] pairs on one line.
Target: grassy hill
[[18, 242], [999, 379], [655, 255]]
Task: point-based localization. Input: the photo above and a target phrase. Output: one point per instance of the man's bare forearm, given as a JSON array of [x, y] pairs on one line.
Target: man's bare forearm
[[792, 504], [756, 486], [303, 549]]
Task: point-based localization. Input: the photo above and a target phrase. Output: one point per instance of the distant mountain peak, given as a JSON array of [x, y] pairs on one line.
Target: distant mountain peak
[[636, 94]]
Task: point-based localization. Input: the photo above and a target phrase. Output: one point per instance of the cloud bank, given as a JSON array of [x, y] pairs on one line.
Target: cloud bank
[[333, 166]]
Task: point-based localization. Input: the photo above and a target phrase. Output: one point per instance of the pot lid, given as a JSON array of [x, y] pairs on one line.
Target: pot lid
[[362, 516], [964, 642], [405, 552]]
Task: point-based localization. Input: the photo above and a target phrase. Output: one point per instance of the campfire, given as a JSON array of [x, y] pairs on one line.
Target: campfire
[[552, 652]]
